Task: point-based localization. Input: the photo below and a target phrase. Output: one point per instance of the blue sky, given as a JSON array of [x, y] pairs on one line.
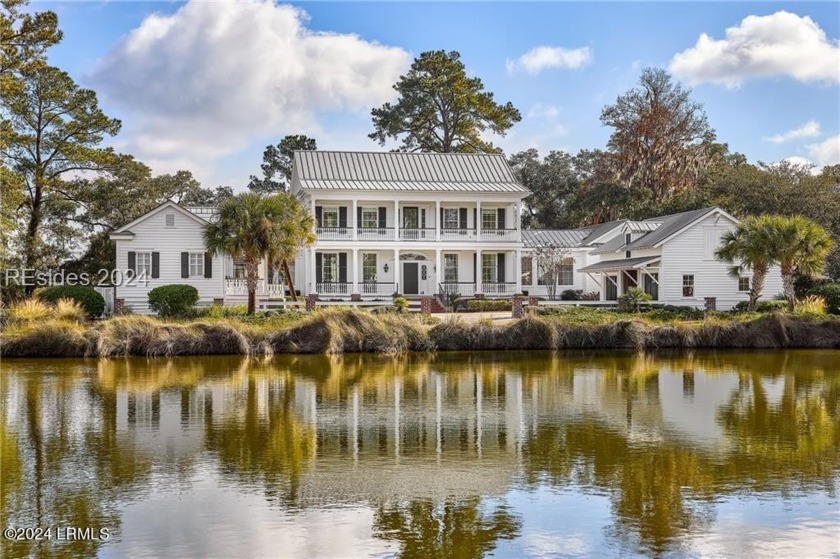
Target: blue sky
[[206, 86]]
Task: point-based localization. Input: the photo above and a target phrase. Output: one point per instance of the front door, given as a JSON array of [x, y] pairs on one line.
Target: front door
[[410, 283]]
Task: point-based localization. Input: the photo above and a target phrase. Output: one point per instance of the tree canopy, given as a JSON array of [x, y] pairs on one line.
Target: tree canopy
[[277, 164], [441, 109]]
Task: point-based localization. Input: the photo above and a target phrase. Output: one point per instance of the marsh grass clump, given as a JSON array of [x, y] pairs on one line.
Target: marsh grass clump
[[69, 310], [29, 311], [50, 338]]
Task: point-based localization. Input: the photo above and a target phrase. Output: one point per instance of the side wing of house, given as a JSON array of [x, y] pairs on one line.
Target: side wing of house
[[164, 247], [690, 272]]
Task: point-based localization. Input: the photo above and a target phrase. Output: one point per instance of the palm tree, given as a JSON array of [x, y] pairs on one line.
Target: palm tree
[[253, 227], [749, 247], [800, 247]]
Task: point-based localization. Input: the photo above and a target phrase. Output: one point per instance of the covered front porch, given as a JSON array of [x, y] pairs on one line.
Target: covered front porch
[[379, 273], [616, 277]]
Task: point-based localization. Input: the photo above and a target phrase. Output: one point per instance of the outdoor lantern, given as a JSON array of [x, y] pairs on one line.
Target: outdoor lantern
[[385, 268]]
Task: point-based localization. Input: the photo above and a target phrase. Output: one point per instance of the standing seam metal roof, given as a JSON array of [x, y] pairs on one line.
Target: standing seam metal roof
[[405, 171], [566, 238]]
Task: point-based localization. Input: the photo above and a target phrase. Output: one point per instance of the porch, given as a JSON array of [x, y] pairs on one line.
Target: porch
[[378, 273], [616, 277]]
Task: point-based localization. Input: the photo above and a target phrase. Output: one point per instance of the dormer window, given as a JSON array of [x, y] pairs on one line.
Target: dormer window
[[170, 220]]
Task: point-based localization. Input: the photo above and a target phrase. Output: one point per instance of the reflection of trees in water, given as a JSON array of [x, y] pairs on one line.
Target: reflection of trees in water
[[462, 529]]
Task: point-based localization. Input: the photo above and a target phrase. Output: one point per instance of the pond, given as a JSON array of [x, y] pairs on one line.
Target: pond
[[454, 455]]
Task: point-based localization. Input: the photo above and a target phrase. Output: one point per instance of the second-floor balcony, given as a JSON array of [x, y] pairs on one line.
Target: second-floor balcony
[[416, 234]]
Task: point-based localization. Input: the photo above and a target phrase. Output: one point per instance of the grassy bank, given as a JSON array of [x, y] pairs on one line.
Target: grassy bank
[[348, 331]]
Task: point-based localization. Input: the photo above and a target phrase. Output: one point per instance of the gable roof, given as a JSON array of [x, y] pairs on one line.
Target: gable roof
[[566, 238], [670, 225], [600, 230], [126, 229], [461, 172]]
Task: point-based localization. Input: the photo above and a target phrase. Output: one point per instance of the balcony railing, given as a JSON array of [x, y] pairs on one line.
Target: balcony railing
[[239, 286], [499, 235], [417, 234], [333, 288], [376, 233], [499, 288], [383, 288], [334, 233], [458, 235], [460, 288]]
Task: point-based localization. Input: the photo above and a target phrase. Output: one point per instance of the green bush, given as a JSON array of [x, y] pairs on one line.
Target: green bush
[[571, 295], [91, 301], [830, 292], [632, 300], [173, 300], [762, 306], [488, 305], [401, 304]]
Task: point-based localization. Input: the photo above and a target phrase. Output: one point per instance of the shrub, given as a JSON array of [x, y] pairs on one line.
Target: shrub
[[571, 295], [69, 310], [633, 299], [810, 305], [761, 306], [488, 305], [830, 292], [591, 296], [91, 301], [401, 304], [29, 310], [173, 300]]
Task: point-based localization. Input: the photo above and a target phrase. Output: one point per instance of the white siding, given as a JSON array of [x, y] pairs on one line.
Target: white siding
[[581, 280], [151, 235], [692, 252]]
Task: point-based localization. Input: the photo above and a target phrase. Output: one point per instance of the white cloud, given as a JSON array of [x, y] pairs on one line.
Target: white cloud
[[542, 58], [211, 78], [826, 152], [799, 161], [779, 44], [543, 111], [807, 130]]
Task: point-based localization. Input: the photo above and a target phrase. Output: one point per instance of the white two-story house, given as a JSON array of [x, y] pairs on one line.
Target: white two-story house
[[425, 224]]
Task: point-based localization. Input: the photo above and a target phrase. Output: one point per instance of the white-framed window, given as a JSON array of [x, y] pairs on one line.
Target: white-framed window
[[329, 215], [169, 220], [238, 268], [743, 283], [144, 264], [489, 267], [450, 218], [527, 266], [450, 268], [329, 267], [566, 274], [369, 266], [688, 285], [196, 264], [370, 218], [488, 219]]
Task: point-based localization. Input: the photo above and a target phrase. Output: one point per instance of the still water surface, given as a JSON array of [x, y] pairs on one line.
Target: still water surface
[[458, 455]]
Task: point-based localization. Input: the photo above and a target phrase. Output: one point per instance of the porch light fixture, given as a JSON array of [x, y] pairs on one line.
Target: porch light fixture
[[385, 268]]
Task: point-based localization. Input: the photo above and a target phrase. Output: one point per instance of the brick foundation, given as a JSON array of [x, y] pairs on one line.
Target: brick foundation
[[710, 303], [119, 305], [311, 301], [355, 296], [478, 296], [220, 302], [533, 303], [426, 305], [516, 306]]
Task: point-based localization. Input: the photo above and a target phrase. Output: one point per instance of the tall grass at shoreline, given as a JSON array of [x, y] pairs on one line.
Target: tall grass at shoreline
[[336, 330]]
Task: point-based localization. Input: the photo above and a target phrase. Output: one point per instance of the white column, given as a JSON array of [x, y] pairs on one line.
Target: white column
[[312, 277], [517, 270], [397, 270], [396, 220], [354, 220], [355, 274], [478, 220], [438, 267], [477, 271], [437, 220]]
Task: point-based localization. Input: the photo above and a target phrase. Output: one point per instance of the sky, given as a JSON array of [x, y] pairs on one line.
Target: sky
[[205, 86]]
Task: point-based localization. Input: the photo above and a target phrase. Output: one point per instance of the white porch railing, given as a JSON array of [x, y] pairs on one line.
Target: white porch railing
[[499, 235], [458, 235], [415, 234], [377, 288], [240, 287], [460, 288], [334, 233], [376, 233], [498, 288]]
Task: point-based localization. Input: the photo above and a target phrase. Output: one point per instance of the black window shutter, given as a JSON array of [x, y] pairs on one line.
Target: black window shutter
[[342, 267], [185, 264], [155, 265], [319, 267], [319, 215], [462, 218], [359, 216], [342, 216], [500, 268], [382, 217], [475, 219], [132, 262], [475, 267], [441, 218], [422, 218], [500, 218], [208, 265]]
